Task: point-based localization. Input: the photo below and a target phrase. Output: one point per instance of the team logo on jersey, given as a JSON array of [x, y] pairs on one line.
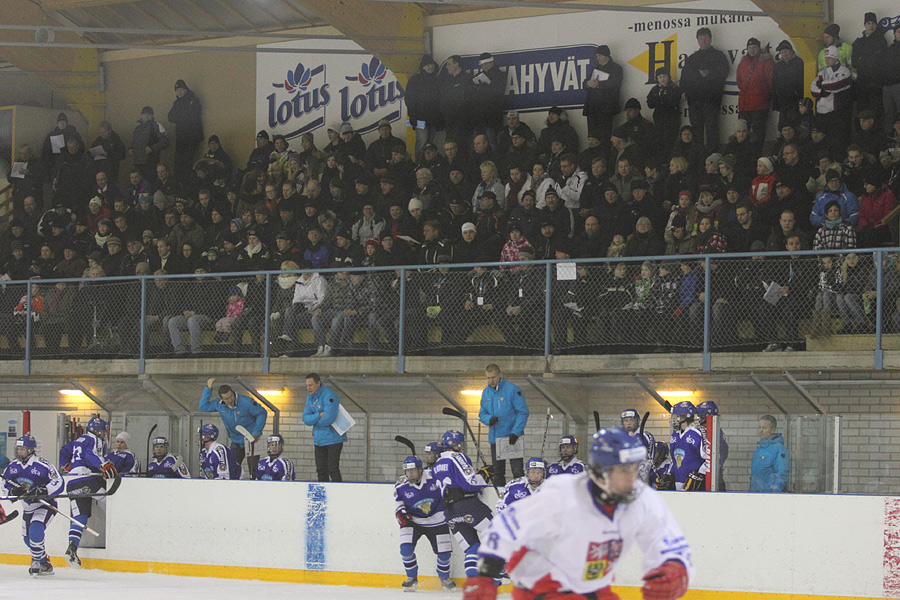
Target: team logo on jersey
[[424, 505], [409, 494], [600, 558], [678, 455]]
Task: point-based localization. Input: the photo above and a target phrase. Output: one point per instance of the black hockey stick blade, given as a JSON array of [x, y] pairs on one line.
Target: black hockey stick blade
[[643, 424], [453, 412], [407, 443], [115, 485], [597, 420], [9, 517]]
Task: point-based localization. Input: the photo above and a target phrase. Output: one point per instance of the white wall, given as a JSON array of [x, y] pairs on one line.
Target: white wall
[[789, 544]]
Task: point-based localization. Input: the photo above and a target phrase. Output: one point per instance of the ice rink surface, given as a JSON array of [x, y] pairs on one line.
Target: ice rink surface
[[90, 584]]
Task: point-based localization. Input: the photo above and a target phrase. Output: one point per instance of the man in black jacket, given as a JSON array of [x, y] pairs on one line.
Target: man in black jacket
[[787, 83], [601, 103], [703, 82], [456, 93], [423, 104], [889, 64], [148, 140], [489, 98], [186, 115], [864, 59]]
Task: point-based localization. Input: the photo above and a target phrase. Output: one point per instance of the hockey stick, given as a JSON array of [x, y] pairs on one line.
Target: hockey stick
[[597, 420], [249, 444], [41, 501], [641, 430], [546, 429], [9, 517], [150, 437], [407, 443], [112, 490], [452, 412]]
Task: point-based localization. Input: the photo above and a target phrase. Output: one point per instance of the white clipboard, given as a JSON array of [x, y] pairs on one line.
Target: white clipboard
[[343, 422], [506, 451]]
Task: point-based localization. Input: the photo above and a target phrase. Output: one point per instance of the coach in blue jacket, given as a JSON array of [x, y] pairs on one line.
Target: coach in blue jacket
[[235, 409], [504, 411], [322, 408], [771, 466]]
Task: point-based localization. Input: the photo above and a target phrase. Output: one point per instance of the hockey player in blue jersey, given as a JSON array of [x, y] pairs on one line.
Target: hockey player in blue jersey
[[420, 511], [88, 467], [461, 486], [164, 464], [123, 459], [687, 448], [431, 454], [217, 460], [275, 467], [705, 409], [568, 464], [631, 422], [26, 478], [662, 467], [535, 473]]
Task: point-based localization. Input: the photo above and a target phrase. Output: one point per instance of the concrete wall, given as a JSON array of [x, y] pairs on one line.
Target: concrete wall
[[332, 533]]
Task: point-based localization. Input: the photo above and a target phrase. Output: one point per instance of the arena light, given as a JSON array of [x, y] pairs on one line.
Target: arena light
[[470, 392], [270, 392], [675, 393], [73, 393]]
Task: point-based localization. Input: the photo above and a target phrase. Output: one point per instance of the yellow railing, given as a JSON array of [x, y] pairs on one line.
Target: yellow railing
[[6, 207]]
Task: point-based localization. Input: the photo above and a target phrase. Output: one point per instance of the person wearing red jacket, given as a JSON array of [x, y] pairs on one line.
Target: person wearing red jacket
[[874, 206], [754, 80]]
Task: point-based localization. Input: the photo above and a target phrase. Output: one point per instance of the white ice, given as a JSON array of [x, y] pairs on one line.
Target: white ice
[[90, 584]]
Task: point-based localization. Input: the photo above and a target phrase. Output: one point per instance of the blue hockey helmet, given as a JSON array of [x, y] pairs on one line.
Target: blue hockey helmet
[[97, 426], [681, 412], [160, 447], [452, 438], [274, 445], [707, 408], [432, 452], [572, 442], [610, 448], [535, 463], [630, 413], [27, 443], [209, 432], [412, 462]]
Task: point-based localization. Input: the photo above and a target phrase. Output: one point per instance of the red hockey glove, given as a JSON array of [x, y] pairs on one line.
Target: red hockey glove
[[108, 470], [667, 582], [403, 518], [2, 515], [479, 588]]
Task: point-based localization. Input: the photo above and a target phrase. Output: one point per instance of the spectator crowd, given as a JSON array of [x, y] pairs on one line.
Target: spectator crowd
[[481, 186]]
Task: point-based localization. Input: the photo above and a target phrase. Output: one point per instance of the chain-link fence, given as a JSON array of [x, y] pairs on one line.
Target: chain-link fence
[[760, 302]]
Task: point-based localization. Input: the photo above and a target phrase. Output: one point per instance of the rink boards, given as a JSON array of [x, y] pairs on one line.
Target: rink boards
[[744, 545]]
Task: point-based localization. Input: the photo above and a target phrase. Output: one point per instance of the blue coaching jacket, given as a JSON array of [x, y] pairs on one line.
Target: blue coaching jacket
[[325, 401], [507, 404], [246, 412], [771, 466]]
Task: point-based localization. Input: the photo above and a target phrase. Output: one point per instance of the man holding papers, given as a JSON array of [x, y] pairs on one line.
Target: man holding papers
[[323, 412], [602, 88]]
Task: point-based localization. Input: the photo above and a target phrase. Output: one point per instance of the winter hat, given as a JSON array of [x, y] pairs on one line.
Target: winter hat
[[753, 42], [832, 52], [427, 59], [213, 138], [633, 103], [873, 176], [829, 204], [728, 160], [679, 221], [639, 184], [344, 233], [239, 223], [512, 113], [180, 85], [604, 50], [16, 245], [62, 117], [686, 193], [870, 16], [335, 127], [555, 110], [758, 246], [147, 110], [767, 162], [832, 174], [263, 134], [486, 57], [526, 254], [783, 45], [113, 240], [468, 227], [741, 125], [327, 215], [346, 128], [125, 436], [372, 242], [662, 71], [235, 291], [866, 114], [834, 30], [668, 265], [551, 192], [383, 123], [95, 200], [414, 204]]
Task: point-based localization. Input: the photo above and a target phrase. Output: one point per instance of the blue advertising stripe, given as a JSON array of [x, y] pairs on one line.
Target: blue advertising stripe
[[316, 507], [308, 127]]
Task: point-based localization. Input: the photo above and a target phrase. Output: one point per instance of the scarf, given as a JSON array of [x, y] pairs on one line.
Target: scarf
[[512, 198], [832, 224]]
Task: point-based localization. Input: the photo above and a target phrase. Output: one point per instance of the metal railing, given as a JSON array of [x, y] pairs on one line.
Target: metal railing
[[699, 304]]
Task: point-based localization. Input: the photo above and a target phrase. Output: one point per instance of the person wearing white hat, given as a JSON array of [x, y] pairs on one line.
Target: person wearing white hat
[[123, 458], [834, 103]]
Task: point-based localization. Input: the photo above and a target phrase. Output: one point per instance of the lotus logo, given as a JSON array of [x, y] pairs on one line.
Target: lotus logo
[[298, 78], [369, 72]]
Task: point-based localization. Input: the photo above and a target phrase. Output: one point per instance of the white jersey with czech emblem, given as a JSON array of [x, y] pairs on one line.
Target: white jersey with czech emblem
[[562, 534]]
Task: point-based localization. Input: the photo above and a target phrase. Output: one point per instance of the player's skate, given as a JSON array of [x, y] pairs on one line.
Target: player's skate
[[72, 556], [448, 585], [40, 568], [411, 584]]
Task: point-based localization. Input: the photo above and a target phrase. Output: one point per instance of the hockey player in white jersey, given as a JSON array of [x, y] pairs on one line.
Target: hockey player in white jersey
[[568, 464], [566, 542]]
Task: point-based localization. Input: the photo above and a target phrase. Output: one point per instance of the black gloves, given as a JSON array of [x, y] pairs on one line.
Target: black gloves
[[513, 438], [493, 421]]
